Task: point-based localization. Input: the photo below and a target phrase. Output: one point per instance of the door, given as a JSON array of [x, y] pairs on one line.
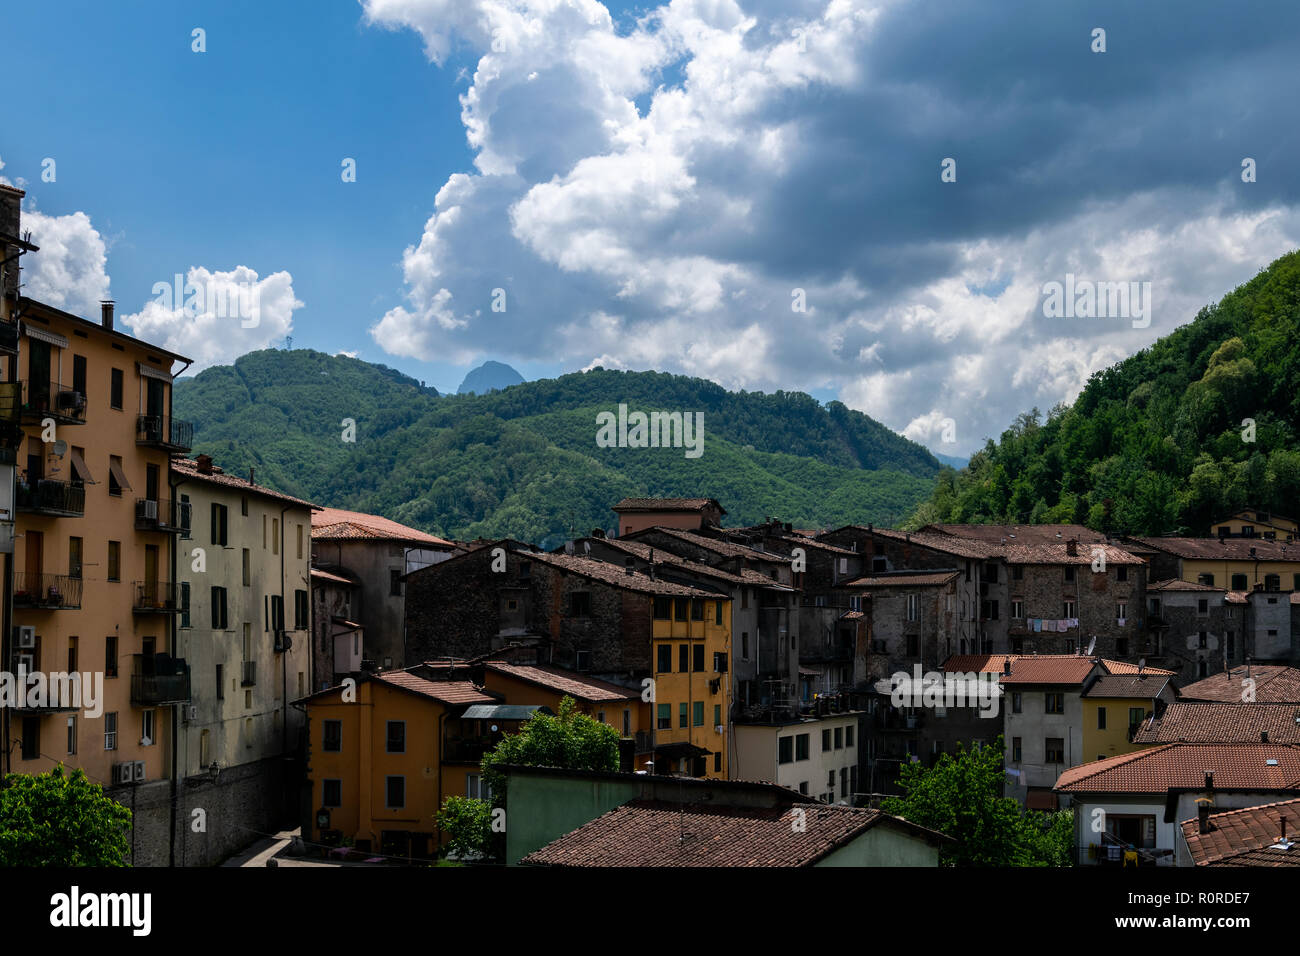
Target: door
[[151, 482], [151, 574], [38, 374], [154, 406], [35, 565]]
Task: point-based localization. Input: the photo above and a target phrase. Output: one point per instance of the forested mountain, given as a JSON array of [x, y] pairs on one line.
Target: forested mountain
[[488, 376], [1192, 428], [524, 461]]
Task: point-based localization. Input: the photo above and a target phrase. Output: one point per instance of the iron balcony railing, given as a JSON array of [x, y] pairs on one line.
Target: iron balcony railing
[[156, 597], [49, 591], [158, 679], [53, 400], [49, 496], [11, 399], [162, 515], [159, 431]]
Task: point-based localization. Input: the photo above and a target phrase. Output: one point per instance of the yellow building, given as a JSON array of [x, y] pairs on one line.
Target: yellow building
[[692, 686], [619, 707], [1256, 524], [1234, 564], [93, 584], [375, 760], [1115, 705]]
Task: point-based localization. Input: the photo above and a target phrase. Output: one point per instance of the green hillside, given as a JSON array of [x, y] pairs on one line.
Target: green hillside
[[1160, 442], [524, 461]]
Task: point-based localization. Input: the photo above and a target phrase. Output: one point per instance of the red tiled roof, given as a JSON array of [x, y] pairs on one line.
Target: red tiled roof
[[1049, 669], [188, 469], [446, 691], [1246, 837], [667, 504], [1177, 584], [662, 556], [1184, 766], [618, 577], [567, 682], [1144, 686], [1124, 667], [1226, 549], [903, 579], [979, 663], [335, 523], [945, 543], [716, 545], [1223, 724], [1031, 534], [320, 575], [1084, 553], [648, 833], [1274, 684]]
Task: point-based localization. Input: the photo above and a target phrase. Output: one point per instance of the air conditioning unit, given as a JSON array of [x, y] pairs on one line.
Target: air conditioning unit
[[147, 509], [283, 641], [139, 770], [26, 636], [123, 772], [718, 729]]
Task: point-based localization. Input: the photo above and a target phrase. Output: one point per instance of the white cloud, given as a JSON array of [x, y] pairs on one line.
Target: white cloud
[[218, 316], [70, 270]]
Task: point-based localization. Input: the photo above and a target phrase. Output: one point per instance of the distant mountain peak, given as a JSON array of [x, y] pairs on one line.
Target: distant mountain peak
[[488, 376]]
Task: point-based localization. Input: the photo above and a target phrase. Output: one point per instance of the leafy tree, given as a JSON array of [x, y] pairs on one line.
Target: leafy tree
[[468, 824], [53, 819], [960, 797], [569, 739]]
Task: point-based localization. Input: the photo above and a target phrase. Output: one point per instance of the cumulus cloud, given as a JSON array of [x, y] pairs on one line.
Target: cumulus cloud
[[659, 192], [70, 271], [214, 317]]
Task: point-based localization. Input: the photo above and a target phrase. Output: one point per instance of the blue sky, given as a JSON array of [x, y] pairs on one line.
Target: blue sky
[[652, 185]]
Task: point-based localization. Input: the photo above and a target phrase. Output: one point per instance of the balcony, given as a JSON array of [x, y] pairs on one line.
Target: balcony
[[248, 677], [48, 496], [49, 592], [468, 749], [11, 400], [158, 680], [42, 400], [155, 597], [169, 434], [162, 515], [9, 338], [644, 742]]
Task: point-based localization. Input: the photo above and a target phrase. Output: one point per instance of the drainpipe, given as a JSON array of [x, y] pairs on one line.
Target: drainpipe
[[174, 634], [284, 662]]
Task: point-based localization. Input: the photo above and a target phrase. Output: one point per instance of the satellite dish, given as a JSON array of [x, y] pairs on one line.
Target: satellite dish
[[494, 728], [1091, 644], [60, 448]]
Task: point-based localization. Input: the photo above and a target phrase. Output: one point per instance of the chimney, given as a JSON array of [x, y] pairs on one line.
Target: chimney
[[629, 565], [106, 313], [1072, 547], [598, 532], [1203, 815], [204, 463], [1209, 780], [250, 475], [1263, 736], [1282, 822], [11, 206], [1006, 667]]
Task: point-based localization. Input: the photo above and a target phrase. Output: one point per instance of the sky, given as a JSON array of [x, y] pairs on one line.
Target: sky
[[866, 201]]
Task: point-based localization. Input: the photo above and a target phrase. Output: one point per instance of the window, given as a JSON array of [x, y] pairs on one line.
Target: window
[[679, 608], [72, 733], [582, 660], [1135, 717], [1017, 699], [185, 604], [830, 780], [1121, 611], [683, 658], [331, 793], [664, 719], [221, 684], [396, 737], [395, 582], [913, 645], [1069, 574], [914, 607], [1069, 645], [717, 715], [476, 788], [31, 738], [1069, 610], [275, 536], [1054, 703], [1121, 573], [1239, 582], [277, 612], [665, 665], [697, 658], [110, 731], [826, 740], [246, 557], [720, 662], [839, 738], [332, 736], [395, 793], [1015, 750], [300, 610], [110, 656], [683, 715], [115, 560], [1017, 610], [844, 781], [1017, 572], [803, 788], [1121, 646], [580, 604], [848, 736], [1101, 718], [989, 610], [147, 737], [744, 645], [1272, 582], [627, 722], [717, 761], [1202, 606], [697, 609], [243, 508], [1206, 579], [299, 538], [785, 750], [717, 611], [74, 557], [115, 389], [1054, 750], [72, 655], [662, 607], [801, 747], [219, 522], [219, 620], [1202, 639], [697, 714]]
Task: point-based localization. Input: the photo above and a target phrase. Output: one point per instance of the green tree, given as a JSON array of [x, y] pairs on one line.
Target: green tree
[[569, 739], [960, 797], [53, 819], [468, 825]]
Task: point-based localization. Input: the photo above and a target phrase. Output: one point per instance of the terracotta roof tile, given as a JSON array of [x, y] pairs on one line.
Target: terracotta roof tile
[[446, 691], [1274, 684], [1184, 766], [1230, 549], [617, 576], [648, 833], [188, 469], [716, 545], [335, 523], [1049, 669], [1177, 584], [1223, 723], [1246, 837], [903, 579], [567, 682], [667, 504], [1143, 686]]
